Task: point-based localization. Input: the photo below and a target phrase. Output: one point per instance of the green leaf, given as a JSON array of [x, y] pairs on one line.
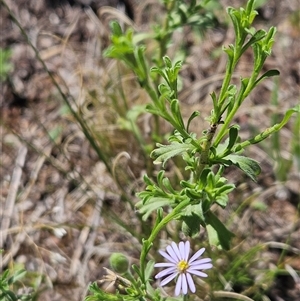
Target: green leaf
[[157, 70], [160, 177], [164, 90], [165, 152], [149, 269], [147, 180], [230, 51], [137, 270], [287, 116], [193, 193], [260, 34], [167, 61], [192, 218], [141, 61], [191, 225], [135, 112], [222, 200], [10, 295], [167, 184], [159, 217], [147, 245], [116, 28], [249, 166], [213, 96], [153, 204], [175, 109], [17, 276], [235, 19], [150, 108], [218, 234], [4, 276], [177, 68], [212, 236], [225, 189], [233, 135], [194, 115], [267, 74], [204, 176]]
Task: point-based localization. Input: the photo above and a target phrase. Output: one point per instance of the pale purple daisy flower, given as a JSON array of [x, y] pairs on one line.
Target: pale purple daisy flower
[[179, 265]]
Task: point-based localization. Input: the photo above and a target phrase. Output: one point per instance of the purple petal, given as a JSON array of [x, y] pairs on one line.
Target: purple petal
[[190, 282], [164, 264], [182, 250], [196, 255], [178, 285], [199, 262], [168, 279], [176, 250], [196, 272], [203, 266], [172, 254], [184, 285], [166, 272], [207, 266], [167, 256], [187, 250]]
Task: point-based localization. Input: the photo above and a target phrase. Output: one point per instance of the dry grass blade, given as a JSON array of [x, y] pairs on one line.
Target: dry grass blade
[[231, 295], [12, 193], [21, 236], [115, 13], [86, 241], [34, 174]]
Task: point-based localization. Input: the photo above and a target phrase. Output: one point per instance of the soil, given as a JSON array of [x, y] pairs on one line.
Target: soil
[[56, 193]]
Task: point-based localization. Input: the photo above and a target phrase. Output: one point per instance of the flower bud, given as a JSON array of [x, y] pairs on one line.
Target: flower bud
[[119, 263]]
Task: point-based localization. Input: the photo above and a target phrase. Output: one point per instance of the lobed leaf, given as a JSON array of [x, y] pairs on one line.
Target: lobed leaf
[[218, 234], [153, 204], [249, 166], [165, 152]]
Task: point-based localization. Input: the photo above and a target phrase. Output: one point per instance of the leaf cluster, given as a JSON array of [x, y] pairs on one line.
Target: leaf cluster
[[7, 292]]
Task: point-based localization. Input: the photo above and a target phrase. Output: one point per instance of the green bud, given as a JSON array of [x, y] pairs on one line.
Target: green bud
[[119, 263]]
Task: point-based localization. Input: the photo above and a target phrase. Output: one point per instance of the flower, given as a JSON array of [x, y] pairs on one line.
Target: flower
[[114, 280], [179, 265], [59, 232]]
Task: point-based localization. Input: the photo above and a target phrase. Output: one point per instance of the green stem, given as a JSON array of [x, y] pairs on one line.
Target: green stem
[[231, 64], [226, 82], [262, 136], [266, 133], [204, 156], [165, 36], [151, 92], [226, 123], [145, 249], [231, 113]]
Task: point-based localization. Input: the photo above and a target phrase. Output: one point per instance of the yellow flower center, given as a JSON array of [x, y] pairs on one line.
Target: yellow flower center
[[182, 266]]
